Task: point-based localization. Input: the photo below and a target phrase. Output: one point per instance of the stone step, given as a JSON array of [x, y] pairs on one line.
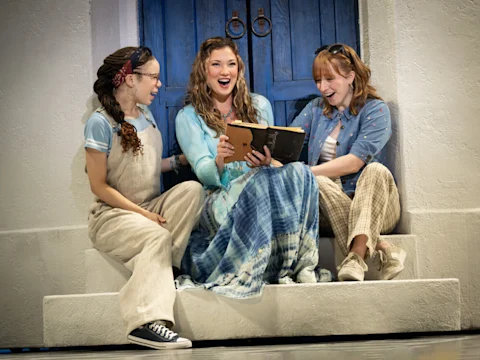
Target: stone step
[[105, 274], [370, 307]]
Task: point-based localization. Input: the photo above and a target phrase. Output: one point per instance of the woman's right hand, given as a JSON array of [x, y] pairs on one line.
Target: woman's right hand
[[155, 217], [224, 150]]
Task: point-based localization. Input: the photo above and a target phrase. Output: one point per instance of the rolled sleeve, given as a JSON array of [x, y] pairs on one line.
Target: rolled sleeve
[[191, 138], [98, 133], [375, 131]]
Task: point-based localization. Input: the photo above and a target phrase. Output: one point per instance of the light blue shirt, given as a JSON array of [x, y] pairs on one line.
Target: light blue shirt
[[98, 131], [363, 135], [199, 144]]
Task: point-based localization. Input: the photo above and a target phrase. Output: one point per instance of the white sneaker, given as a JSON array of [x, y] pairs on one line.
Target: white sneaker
[[391, 262], [157, 336], [352, 268]]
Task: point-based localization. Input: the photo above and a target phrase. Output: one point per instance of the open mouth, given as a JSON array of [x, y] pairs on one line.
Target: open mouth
[[329, 95], [224, 82]]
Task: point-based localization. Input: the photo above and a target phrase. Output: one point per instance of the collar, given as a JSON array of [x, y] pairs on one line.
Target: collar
[[346, 113]]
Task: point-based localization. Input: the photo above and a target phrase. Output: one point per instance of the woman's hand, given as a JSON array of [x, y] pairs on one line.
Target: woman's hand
[[183, 160], [256, 158], [155, 217], [224, 150]]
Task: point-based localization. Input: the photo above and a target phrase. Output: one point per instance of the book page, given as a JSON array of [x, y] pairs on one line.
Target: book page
[[294, 129], [259, 126], [245, 124]]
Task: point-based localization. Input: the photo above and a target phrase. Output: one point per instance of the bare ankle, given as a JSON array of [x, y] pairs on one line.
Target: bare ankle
[[359, 245], [382, 245]]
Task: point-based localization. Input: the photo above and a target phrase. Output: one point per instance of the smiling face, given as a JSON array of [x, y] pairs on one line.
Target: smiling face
[[334, 86], [222, 72], [147, 84]]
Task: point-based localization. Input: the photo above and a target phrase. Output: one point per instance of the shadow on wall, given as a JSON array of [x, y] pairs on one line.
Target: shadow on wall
[[394, 163], [79, 181]]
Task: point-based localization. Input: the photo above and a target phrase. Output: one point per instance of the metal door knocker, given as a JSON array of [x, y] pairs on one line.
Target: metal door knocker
[[261, 18], [235, 21]]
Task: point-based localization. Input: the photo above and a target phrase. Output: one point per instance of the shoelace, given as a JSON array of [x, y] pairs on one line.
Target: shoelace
[[351, 258], [162, 330], [382, 259], [345, 261]]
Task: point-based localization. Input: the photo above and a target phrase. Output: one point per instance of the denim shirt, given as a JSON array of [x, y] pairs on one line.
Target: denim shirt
[[199, 144], [363, 135]]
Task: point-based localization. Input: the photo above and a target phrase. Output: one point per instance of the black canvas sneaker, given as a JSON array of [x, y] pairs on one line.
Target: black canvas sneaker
[[157, 336]]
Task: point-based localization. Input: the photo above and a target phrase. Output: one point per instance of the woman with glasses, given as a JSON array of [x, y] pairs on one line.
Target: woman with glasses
[[347, 130], [130, 220], [260, 222]]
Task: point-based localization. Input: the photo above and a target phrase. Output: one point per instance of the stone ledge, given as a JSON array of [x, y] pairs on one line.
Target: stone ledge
[[370, 307], [104, 274]]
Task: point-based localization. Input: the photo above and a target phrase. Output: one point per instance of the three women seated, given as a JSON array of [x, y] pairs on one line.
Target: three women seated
[[257, 223]]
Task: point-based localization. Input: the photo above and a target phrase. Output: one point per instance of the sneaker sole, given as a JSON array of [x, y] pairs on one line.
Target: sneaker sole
[[159, 346], [349, 277], [392, 274]]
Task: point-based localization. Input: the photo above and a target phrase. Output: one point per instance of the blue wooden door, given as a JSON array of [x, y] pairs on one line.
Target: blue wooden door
[[278, 64]]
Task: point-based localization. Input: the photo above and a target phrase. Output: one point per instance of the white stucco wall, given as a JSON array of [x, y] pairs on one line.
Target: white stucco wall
[[45, 100], [424, 57], [438, 47], [51, 50]]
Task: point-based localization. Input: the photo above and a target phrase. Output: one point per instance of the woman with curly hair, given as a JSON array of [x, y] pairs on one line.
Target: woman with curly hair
[[261, 221], [130, 220], [347, 129]]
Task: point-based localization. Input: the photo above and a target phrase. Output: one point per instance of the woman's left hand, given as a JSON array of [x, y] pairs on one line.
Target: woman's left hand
[[256, 158]]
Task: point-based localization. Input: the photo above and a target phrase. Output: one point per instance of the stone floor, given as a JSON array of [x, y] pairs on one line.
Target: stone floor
[[446, 347]]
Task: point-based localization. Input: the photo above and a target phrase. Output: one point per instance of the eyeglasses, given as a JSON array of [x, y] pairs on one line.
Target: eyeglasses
[[334, 49], [153, 76]]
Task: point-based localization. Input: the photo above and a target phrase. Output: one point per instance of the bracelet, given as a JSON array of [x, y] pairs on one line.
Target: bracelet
[[175, 163]]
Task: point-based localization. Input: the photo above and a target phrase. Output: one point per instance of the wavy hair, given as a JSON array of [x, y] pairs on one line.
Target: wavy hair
[[343, 63], [104, 89], [199, 94]]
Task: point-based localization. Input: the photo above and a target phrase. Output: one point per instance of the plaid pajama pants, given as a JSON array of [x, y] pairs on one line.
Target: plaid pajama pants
[[374, 210]]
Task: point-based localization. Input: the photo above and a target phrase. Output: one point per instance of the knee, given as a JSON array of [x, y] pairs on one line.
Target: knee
[[194, 191], [377, 170], [323, 182]]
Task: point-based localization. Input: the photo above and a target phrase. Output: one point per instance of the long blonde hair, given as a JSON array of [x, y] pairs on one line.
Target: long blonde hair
[[199, 94], [342, 63]]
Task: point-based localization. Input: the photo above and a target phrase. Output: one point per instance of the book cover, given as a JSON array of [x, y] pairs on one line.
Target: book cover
[[285, 143]]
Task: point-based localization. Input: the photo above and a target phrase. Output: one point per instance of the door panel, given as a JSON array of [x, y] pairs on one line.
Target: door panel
[[305, 37]]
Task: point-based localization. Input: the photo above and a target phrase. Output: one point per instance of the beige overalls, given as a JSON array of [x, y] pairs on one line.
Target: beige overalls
[[146, 248]]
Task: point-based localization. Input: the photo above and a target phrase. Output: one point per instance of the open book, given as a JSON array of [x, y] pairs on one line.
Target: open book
[[285, 143]]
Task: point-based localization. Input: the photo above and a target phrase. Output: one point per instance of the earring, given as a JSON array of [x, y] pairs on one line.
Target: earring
[[351, 88]]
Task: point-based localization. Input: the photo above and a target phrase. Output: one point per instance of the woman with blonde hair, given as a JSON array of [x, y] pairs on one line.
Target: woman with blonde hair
[[347, 130], [261, 221]]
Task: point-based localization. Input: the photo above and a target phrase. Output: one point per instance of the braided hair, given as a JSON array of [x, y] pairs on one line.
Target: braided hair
[[104, 88]]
